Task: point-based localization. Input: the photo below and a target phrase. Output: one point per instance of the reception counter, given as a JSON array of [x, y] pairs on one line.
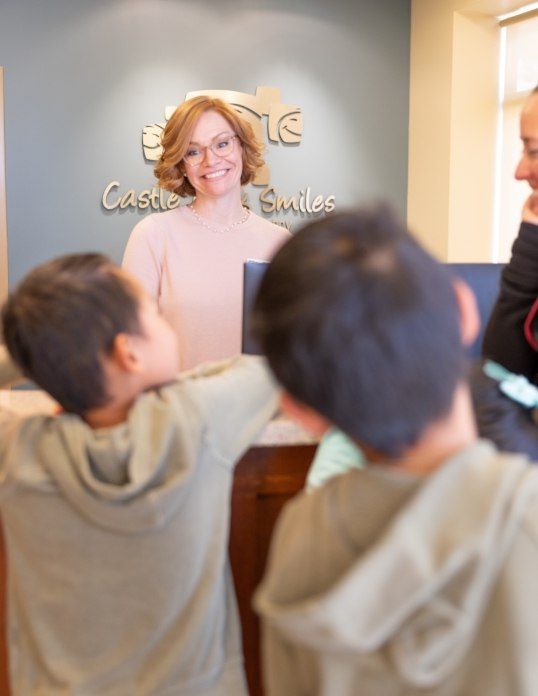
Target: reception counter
[[271, 472]]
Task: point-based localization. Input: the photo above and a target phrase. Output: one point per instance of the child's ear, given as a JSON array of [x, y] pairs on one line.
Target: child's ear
[[310, 419], [469, 315], [125, 354]]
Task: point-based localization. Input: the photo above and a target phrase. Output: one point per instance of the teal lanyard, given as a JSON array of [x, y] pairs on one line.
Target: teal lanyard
[[515, 387]]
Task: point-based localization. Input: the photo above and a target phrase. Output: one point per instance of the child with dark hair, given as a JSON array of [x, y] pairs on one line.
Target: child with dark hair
[[116, 511], [416, 574], [504, 393]]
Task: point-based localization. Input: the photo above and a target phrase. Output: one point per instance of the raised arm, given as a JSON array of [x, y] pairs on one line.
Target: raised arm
[[9, 372], [236, 399]]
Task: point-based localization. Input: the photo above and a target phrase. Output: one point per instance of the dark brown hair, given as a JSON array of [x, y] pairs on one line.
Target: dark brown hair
[[362, 325], [62, 319]]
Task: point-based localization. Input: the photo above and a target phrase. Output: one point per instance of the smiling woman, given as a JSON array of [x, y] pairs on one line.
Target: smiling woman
[[190, 259]]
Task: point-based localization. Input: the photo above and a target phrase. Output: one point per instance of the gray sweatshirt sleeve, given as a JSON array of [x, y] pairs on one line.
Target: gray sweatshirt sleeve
[[9, 372], [235, 399], [280, 674]]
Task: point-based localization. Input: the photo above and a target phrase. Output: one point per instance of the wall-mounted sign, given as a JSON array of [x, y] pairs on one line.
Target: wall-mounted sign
[[272, 122]]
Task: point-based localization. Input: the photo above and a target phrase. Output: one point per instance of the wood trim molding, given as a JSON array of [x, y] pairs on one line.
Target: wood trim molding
[[3, 214]]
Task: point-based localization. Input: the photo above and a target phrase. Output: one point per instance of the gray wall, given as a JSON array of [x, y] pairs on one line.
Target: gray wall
[[82, 77]]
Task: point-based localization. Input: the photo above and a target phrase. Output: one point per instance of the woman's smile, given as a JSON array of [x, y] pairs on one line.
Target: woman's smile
[[214, 175]]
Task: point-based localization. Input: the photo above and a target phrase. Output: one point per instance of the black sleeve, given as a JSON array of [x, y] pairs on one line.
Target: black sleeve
[[504, 340], [499, 419]]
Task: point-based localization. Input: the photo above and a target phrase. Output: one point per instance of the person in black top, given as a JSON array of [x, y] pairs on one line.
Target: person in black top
[[506, 407]]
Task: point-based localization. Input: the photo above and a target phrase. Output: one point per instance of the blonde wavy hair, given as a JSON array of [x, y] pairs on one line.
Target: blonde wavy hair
[[177, 135]]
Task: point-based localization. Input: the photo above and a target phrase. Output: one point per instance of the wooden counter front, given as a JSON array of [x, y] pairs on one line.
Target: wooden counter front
[[265, 479]]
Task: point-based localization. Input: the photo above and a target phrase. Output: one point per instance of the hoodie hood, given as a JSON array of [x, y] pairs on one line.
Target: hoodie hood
[[421, 586], [128, 478]]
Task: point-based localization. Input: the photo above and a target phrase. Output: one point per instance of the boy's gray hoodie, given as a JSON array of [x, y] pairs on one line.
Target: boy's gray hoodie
[[380, 584], [118, 576]]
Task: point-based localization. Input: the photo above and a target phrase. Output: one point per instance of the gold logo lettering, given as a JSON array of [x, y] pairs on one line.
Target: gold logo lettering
[[272, 122]]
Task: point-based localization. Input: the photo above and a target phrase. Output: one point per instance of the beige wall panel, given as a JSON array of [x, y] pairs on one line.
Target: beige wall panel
[[452, 125], [475, 62], [429, 123]]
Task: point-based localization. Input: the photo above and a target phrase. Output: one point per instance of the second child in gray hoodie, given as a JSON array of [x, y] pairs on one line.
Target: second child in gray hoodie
[[116, 511], [415, 576]]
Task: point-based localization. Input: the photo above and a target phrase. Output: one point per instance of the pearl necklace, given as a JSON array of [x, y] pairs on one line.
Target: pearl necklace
[[203, 222]]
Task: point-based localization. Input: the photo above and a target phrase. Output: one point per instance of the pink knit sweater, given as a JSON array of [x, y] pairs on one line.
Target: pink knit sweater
[[196, 276]]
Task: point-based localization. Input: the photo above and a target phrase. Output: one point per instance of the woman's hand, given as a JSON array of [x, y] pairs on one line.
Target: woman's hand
[[530, 209]]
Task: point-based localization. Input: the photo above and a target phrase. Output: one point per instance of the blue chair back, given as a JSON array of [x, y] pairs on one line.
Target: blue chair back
[[483, 278]]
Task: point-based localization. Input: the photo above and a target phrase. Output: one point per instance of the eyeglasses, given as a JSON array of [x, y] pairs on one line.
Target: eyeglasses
[[221, 146]]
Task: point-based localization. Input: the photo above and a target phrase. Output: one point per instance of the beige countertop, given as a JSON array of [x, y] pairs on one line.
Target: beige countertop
[[280, 431]]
